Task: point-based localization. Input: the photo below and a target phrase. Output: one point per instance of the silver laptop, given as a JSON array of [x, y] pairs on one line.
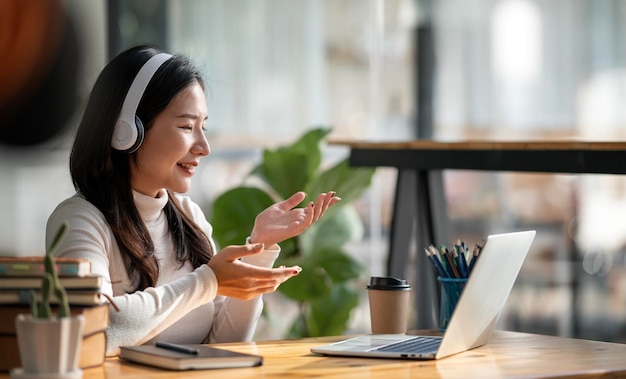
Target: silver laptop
[[474, 317]]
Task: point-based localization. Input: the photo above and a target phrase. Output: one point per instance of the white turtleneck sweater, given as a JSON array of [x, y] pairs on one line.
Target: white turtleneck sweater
[[184, 306]]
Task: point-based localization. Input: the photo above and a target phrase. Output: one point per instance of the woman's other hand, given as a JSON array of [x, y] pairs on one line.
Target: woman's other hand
[[244, 281], [281, 221]]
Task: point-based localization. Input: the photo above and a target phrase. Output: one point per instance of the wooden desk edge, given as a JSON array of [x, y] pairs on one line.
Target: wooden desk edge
[[509, 354]]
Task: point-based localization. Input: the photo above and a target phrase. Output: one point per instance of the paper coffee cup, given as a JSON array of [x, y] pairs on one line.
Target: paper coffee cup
[[389, 304]]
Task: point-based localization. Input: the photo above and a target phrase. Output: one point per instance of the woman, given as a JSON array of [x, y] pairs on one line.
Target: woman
[[135, 152]]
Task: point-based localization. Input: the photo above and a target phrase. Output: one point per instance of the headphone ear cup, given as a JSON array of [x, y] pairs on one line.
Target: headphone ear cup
[[127, 137], [140, 135]]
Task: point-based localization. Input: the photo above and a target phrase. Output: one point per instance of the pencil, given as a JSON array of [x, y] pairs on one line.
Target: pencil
[[434, 259], [475, 255], [452, 270], [461, 262]]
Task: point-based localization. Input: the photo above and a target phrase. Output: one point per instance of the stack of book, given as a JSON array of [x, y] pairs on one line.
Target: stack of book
[[20, 275]]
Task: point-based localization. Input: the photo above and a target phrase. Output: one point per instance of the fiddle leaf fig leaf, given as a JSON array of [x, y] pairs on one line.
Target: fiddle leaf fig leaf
[[234, 212], [330, 316], [309, 144], [285, 171], [321, 271], [348, 182], [289, 169], [312, 283], [336, 228], [339, 266]]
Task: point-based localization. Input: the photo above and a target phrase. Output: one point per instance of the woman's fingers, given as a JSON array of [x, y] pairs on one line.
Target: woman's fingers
[[253, 287], [293, 200], [318, 206], [234, 252], [324, 201], [327, 202], [309, 216], [244, 281]]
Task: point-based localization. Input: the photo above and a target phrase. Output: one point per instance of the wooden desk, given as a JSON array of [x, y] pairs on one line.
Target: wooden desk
[[420, 195], [509, 354]]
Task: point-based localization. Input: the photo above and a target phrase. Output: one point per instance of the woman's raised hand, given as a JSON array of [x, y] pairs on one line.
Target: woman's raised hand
[[242, 280], [281, 221]]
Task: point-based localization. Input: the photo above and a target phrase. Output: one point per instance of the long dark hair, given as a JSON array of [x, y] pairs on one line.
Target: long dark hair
[[102, 174]]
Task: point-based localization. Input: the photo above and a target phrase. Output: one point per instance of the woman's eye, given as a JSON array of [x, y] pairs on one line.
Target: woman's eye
[[187, 127]]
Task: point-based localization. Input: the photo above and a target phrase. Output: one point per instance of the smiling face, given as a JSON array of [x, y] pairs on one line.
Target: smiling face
[[173, 145]]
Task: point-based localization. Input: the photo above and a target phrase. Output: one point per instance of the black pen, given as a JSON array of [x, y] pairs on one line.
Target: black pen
[[175, 347]]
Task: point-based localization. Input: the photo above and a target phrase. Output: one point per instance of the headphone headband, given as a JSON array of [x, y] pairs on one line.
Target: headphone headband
[[128, 133]]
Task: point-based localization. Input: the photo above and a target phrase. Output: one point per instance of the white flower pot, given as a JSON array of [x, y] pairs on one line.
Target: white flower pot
[[49, 346]]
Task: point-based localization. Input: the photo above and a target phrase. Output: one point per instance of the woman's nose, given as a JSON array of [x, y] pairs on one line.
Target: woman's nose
[[201, 147]]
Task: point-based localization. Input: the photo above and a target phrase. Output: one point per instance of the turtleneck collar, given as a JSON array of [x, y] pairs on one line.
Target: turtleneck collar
[[150, 207]]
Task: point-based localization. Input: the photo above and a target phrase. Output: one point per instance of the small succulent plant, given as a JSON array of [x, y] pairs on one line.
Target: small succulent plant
[[50, 285]]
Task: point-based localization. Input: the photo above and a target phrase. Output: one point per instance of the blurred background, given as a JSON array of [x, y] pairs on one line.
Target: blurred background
[[496, 69]]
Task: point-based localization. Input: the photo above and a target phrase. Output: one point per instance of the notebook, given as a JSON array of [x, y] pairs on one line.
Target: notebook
[[474, 317], [187, 357]]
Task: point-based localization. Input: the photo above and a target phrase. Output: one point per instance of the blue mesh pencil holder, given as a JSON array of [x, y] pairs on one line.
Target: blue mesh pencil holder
[[451, 289]]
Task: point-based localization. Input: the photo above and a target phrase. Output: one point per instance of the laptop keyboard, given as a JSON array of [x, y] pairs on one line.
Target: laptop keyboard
[[418, 345]]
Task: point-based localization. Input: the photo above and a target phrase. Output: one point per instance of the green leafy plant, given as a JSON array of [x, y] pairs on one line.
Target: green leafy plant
[[324, 290], [50, 284]]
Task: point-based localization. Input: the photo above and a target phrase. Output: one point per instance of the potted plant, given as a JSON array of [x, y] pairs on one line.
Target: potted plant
[[325, 290], [49, 344]]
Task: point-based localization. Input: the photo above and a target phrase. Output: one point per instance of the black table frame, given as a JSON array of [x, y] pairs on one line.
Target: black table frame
[[420, 200]]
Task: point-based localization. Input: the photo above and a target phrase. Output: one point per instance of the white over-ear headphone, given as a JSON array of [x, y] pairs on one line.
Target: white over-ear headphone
[[129, 131]]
